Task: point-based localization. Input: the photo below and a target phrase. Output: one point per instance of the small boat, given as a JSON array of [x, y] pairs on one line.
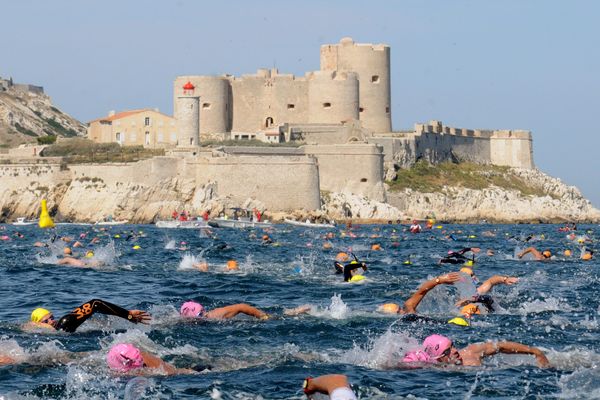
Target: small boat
[[222, 222], [190, 224], [309, 224], [112, 222], [21, 221]]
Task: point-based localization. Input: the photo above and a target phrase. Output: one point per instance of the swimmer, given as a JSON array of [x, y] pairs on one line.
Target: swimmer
[[539, 256], [191, 309], [336, 386], [482, 297], [410, 305], [76, 262], [266, 240], [440, 349], [587, 254], [351, 269], [128, 359], [458, 257], [40, 317]]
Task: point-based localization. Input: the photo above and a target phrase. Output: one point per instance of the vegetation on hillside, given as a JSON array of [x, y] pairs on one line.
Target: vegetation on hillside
[[426, 178], [77, 150]]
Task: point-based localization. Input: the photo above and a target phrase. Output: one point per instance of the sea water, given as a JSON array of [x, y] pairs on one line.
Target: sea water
[[554, 306]]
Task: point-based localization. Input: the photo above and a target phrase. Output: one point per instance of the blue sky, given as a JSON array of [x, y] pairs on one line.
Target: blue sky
[[512, 64]]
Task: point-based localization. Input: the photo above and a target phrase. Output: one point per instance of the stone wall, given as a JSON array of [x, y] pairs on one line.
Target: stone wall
[[352, 168]]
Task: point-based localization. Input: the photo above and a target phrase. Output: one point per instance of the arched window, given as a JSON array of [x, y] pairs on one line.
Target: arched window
[[269, 122]]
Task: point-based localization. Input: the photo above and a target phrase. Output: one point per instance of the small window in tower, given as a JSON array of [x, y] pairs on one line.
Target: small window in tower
[[206, 106], [147, 121], [363, 179], [326, 105], [387, 109], [375, 79], [291, 106], [361, 109]]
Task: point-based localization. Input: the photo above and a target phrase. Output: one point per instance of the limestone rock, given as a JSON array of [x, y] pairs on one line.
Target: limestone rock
[[347, 205]]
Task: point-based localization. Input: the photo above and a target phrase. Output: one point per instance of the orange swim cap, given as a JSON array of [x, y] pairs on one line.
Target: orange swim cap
[[67, 251], [568, 253], [327, 245], [342, 257], [232, 265], [547, 253], [467, 271], [470, 309], [375, 247], [389, 308], [586, 257]]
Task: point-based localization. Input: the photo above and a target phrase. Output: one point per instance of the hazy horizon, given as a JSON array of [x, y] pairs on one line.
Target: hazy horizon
[[482, 65]]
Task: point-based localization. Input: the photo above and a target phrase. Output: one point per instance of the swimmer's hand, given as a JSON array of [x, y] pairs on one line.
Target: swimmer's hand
[[511, 280], [541, 359], [449, 278], [303, 309], [138, 316]]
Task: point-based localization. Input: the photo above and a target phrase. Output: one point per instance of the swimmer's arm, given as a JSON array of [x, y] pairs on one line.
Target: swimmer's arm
[[496, 280], [491, 348], [79, 315], [527, 251], [235, 309], [153, 362], [325, 384], [410, 305]]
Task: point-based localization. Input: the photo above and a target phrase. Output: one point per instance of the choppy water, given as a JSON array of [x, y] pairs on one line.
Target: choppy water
[[555, 306]]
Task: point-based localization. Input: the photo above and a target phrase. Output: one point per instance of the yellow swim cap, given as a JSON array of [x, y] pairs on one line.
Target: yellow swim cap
[[136, 247], [117, 236], [472, 236], [389, 308], [469, 263], [89, 254], [459, 321], [38, 314], [356, 278], [407, 262]]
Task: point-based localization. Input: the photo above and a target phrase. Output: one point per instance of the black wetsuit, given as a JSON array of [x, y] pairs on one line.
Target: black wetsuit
[[348, 268], [71, 321], [484, 299], [456, 257]]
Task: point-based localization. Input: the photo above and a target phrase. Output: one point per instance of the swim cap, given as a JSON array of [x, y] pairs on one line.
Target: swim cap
[[547, 254], [469, 263], [568, 253], [470, 309], [191, 309], [327, 245], [459, 321], [467, 271], [89, 254], [417, 356], [232, 264], [389, 308], [38, 314], [136, 247], [342, 257], [376, 247], [67, 250], [586, 257], [436, 345], [124, 357], [265, 237], [356, 278]]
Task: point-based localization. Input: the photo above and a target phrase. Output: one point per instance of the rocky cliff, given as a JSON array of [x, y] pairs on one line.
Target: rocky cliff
[[26, 114]]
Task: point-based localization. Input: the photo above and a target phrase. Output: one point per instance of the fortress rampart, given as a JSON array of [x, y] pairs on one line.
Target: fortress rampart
[[435, 142]]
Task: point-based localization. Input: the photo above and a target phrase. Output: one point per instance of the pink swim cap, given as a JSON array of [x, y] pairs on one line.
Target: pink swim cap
[[191, 309], [417, 356], [436, 345], [124, 357]]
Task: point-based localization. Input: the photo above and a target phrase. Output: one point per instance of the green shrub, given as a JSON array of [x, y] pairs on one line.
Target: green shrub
[[50, 139]]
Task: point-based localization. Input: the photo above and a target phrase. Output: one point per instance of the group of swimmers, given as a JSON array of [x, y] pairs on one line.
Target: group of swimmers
[[129, 359]]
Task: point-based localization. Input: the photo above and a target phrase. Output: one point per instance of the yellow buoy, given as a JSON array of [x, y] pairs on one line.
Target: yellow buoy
[[45, 220]]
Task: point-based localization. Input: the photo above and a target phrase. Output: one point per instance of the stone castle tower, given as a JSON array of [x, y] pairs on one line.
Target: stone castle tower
[[353, 84], [188, 116]]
